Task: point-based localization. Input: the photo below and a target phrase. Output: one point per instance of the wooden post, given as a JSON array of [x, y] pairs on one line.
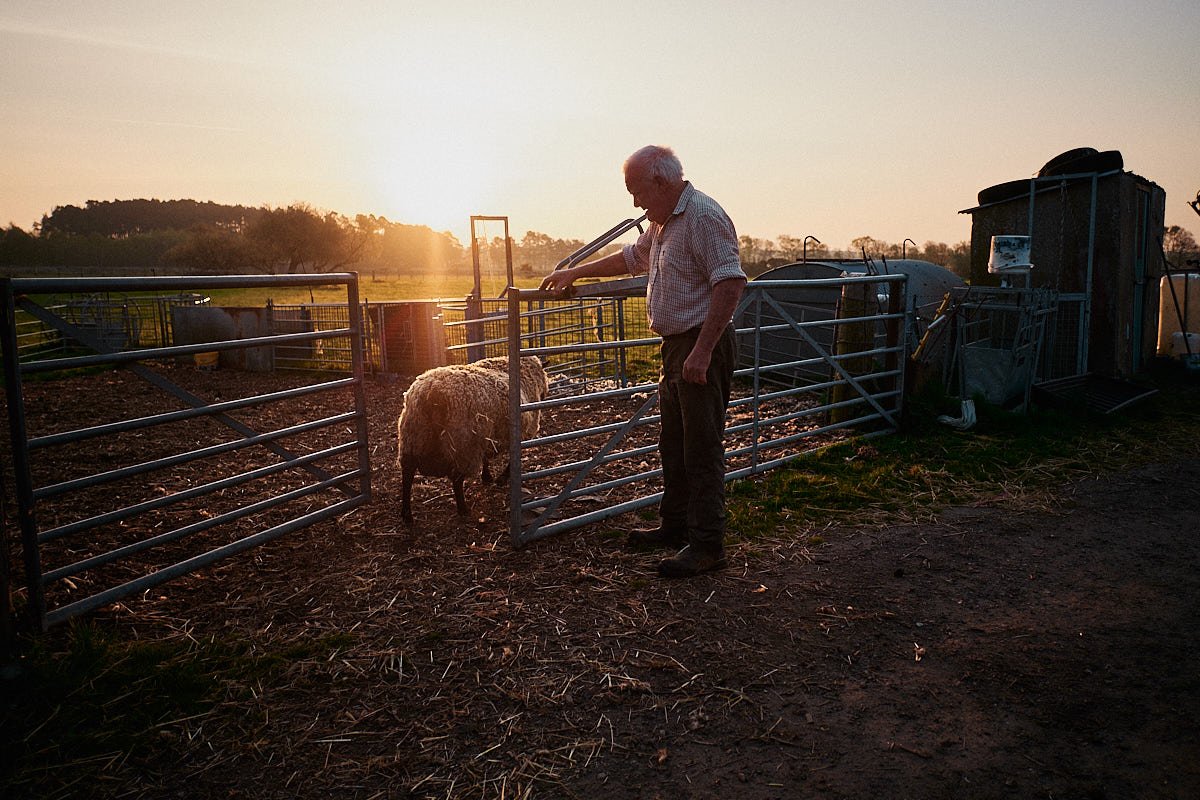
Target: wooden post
[[858, 300]]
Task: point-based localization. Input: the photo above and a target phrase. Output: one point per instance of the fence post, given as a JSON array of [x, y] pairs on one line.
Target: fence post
[[8, 629], [355, 312], [849, 338], [514, 414], [20, 454]]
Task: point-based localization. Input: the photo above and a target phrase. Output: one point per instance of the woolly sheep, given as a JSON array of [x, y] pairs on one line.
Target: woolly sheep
[[455, 419], [535, 385]]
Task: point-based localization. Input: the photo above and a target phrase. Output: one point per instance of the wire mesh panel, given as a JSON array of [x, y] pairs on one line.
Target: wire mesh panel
[[1001, 334], [1063, 355], [141, 474], [327, 352], [478, 329]]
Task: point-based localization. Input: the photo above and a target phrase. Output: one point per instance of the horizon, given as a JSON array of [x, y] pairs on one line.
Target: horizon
[[799, 119]]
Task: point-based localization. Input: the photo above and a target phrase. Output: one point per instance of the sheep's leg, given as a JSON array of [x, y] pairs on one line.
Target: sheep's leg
[[460, 501], [408, 471], [486, 475]]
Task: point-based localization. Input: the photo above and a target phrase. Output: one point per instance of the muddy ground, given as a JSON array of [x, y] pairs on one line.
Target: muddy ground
[[1007, 650]]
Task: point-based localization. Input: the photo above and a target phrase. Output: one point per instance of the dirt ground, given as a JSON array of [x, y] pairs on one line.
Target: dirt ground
[[1000, 651]]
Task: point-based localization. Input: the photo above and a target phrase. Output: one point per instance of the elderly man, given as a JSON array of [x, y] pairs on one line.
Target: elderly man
[[690, 252]]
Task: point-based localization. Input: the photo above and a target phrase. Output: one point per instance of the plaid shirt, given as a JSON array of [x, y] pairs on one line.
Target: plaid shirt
[[695, 250]]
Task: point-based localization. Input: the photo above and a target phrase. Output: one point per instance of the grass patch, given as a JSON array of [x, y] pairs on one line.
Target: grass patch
[[376, 289], [928, 467]]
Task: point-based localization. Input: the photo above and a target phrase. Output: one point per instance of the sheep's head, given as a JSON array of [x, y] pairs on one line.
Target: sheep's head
[[535, 374]]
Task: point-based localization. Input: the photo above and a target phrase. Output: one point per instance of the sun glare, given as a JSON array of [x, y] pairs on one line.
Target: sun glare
[[436, 184]]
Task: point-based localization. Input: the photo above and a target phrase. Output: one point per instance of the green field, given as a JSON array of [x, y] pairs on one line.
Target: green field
[[421, 286]]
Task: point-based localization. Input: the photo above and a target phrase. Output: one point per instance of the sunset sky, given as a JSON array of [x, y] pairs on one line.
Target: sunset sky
[[824, 118]]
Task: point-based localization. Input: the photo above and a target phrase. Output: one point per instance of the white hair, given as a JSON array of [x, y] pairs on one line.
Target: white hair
[[659, 162]]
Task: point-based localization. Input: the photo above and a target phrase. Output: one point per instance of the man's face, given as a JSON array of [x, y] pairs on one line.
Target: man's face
[[652, 195]]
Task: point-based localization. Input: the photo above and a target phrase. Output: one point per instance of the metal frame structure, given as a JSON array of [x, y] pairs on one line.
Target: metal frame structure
[[329, 466], [1085, 298], [767, 426], [1001, 336], [476, 268]]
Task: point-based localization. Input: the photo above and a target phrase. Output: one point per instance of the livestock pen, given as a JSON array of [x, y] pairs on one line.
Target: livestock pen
[[595, 458], [170, 467]]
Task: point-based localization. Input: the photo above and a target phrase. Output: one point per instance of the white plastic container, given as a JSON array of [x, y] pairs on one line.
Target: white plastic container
[[1186, 298], [1009, 253]]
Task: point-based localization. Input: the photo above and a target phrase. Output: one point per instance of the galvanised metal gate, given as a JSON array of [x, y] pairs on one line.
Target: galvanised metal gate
[[596, 455], [171, 475]]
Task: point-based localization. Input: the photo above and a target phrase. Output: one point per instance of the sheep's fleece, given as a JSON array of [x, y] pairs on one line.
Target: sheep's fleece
[[455, 419]]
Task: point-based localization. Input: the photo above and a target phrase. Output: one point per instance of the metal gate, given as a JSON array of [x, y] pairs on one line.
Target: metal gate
[[596, 456], [170, 473]]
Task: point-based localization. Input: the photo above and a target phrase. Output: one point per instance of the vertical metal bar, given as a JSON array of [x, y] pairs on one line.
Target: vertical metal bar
[[360, 404], [1029, 222], [541, 323], [622, 360], [909, 320], [20, 455], [508, 253], [1087, 297], [757, 375], [381, 315], [514, 415], [8, 627], [477, 291]]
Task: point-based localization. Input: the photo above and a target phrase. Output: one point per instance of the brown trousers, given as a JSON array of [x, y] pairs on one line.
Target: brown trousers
[[692, 439]]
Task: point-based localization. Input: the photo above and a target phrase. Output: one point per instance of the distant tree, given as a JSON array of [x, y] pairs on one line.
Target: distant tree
[[960, 260], [299, 239], [537, 249], [121, 218], [755, 251], [870, 245], [416, 248], [210, 250], [18, 248], [1179, 245], [792, 248]]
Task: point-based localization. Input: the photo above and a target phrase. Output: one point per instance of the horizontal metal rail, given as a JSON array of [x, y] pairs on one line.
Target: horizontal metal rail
[[112, 556], [81, 434], [211, 557], [133, 470], [55, 286], [188, 494], [130, 356]]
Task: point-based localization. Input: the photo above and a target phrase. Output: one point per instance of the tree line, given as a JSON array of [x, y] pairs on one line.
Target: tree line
[[198, 238]]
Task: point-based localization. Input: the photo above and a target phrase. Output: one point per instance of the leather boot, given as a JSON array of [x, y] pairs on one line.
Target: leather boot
[[693, 560], [660, 538]]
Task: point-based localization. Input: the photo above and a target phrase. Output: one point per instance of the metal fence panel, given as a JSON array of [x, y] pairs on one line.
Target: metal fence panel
[[596, 456], [180, 488]]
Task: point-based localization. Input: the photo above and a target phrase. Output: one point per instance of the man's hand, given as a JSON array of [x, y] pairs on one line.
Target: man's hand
[[695, 367], [558, 281], [726, 295]]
